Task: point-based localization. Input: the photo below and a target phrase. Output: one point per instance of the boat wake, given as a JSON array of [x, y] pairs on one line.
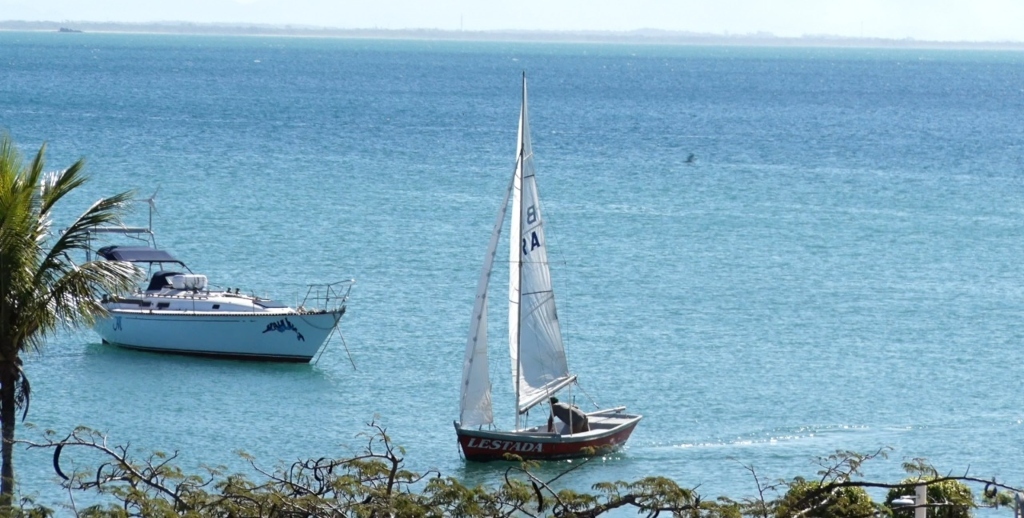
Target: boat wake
[[769, 437]]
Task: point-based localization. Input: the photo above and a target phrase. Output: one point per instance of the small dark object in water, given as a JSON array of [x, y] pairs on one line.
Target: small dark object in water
[[691, 159]]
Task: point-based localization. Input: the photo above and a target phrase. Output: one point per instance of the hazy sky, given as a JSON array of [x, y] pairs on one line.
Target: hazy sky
[[944, 20]]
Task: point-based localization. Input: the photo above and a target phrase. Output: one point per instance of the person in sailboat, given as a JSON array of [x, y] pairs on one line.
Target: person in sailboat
[[571, 415]]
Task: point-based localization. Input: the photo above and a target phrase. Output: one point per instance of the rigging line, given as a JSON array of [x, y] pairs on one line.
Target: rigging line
[[563, 263], [536, 307], [324, 348], [538, 292], [349, 353], [588, 395]]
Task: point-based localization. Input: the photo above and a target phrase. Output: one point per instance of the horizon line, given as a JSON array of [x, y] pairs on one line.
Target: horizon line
[[640, 35]]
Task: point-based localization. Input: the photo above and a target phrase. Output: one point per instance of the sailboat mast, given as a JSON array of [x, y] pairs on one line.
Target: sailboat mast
[[518, 238]]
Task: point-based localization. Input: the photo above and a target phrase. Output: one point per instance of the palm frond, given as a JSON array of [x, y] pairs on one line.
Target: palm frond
[[55, 186], [75, 238], [73, 297], [41, 286]]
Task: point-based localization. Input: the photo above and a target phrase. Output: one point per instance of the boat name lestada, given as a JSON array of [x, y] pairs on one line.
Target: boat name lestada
[[283, 325], [504, 445]]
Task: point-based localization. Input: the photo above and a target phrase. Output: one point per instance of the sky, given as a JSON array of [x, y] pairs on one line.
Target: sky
[[927, 20]]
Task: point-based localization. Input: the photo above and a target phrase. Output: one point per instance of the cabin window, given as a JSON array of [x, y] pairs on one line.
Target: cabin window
[[216, 306], [162, 305]]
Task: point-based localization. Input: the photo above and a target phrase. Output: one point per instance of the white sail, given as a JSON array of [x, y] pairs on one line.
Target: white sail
[[539, 366], [475, 403]]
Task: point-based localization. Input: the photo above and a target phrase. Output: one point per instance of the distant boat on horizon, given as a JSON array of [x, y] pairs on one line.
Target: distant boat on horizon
[[67, 29]]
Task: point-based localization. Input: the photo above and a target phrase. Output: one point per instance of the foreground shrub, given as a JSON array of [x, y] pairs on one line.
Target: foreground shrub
[[810, 500], [377, 484]]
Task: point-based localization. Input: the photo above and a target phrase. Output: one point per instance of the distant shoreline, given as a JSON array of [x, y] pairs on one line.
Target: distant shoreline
[[643, 36]]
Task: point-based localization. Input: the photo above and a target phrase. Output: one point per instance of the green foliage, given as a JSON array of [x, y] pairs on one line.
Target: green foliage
[[813, 500], [946, 498], [723, 508], [649, 493], [993, 497], [376, 483]]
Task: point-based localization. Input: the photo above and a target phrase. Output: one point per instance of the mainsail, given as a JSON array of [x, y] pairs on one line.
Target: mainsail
[[539, 367]]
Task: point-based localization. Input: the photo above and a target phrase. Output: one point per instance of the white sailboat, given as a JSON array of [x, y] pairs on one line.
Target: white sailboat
[[179, 312], [538, 361]]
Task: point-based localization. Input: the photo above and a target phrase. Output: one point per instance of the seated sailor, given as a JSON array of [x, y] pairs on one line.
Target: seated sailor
[[571, 415]]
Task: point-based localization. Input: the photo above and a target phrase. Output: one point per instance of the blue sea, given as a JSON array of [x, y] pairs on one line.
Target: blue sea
[[840, 266]]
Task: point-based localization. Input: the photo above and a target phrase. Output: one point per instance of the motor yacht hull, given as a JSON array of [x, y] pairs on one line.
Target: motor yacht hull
[[268, 336], [609, 431]]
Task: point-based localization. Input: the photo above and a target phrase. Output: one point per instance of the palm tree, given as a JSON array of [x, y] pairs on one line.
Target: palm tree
[[42, 289]]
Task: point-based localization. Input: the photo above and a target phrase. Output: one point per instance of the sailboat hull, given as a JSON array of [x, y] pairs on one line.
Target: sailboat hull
[[608, 432], [281, 336]]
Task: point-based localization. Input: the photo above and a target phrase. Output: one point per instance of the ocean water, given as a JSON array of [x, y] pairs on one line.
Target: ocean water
[[840, 267]]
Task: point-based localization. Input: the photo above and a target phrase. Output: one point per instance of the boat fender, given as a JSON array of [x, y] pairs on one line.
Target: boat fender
[[56, 462]]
